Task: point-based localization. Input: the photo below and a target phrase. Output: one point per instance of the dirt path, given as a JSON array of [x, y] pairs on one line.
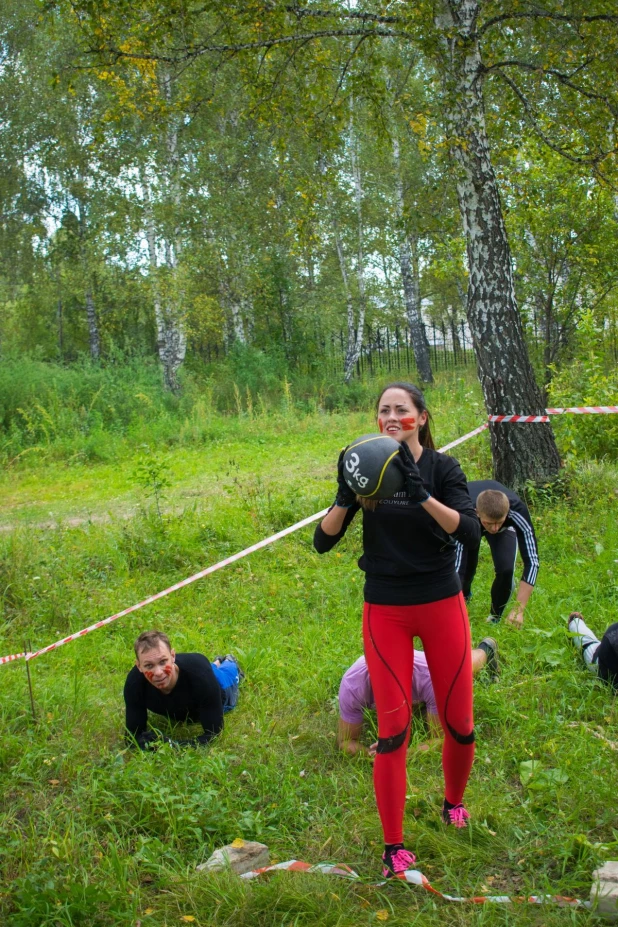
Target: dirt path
[[99, 518]]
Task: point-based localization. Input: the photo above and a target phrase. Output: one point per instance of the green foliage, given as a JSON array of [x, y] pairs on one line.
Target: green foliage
[[82, 409], [151, 474], [586, 381], [92, 412], [535, 776]]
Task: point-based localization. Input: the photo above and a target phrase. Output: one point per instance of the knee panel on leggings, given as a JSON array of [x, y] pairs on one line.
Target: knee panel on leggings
[[461, 738], [390, 744]]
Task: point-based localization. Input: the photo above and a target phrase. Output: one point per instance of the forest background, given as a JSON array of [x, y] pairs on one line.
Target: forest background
[[221, 230], [248, 200]]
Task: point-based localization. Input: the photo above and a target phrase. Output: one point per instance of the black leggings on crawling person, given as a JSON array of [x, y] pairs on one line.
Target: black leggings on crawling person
[[503, 547], [606, 656]]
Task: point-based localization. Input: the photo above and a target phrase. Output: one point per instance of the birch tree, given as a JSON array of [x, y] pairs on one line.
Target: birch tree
[[410, 275]]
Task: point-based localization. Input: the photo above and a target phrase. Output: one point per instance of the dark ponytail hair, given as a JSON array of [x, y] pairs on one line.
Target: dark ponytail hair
[[424, 434]]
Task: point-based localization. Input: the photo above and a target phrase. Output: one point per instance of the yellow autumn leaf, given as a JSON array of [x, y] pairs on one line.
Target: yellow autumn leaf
[[382, 914], [237, 843], [188, 918], [149, 911]]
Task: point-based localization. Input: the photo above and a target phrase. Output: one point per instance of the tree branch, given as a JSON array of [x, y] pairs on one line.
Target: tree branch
[[344, 71], [565, 79], [300, 12], [548, 14], [226, 48], [559, 149]]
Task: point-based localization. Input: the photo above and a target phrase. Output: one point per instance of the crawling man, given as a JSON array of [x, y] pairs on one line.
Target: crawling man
[[183, 687]]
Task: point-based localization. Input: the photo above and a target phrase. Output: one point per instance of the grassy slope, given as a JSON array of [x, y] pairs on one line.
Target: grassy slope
[[92, 835]]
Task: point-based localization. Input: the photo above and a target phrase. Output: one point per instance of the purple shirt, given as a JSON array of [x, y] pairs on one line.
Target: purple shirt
[[355, 691]]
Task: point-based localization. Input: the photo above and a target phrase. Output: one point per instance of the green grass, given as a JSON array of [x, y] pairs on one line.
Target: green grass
[[94, 835]]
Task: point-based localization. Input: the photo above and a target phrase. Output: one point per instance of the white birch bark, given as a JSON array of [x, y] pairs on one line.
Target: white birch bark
[[171, 340], [356, 331], [234, 305], [347, 373], [93, 326], [408, 262], [94, 339], [171, 336], [505, 372]]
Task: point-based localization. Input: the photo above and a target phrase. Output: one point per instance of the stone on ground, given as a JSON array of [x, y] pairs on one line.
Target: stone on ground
[[240, 856], [604, 891]]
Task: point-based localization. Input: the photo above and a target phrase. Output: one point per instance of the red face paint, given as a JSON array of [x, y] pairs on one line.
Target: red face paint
[[380, 425], [408, 423], [167, 669], [148, 674]]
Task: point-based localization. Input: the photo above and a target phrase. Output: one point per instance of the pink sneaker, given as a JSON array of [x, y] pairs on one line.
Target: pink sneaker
[[396, 862], [457, 816]]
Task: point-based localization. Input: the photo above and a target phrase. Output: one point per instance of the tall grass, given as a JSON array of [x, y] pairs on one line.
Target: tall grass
[[89, 413]]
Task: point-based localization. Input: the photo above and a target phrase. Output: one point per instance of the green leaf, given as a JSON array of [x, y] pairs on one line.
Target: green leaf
[[534, 776], [527, 770]]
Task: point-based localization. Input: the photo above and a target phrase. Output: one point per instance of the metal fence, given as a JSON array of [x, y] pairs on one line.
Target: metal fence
[[386, 348]]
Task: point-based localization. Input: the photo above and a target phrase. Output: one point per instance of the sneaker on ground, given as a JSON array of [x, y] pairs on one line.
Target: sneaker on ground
[[232, 658], [492, 619], [574, 616], [457, 816], [490, 647], [396, 861]]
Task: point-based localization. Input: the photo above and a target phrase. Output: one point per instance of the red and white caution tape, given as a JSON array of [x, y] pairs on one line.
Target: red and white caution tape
[[584, 410], [11, 657], [200, 575], [461, 440], [176, 586], [574, 410], [416, 877], [518, 418]]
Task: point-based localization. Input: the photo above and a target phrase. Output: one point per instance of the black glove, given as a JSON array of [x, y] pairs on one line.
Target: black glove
[[147, 740], [413, 481], [345, 497]]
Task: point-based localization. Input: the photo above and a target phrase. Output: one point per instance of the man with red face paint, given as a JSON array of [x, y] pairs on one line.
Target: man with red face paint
[[180, 686]]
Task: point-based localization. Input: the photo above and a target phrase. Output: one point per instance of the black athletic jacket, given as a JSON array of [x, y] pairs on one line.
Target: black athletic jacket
[[519, 519], [407, 557], [195, 697]]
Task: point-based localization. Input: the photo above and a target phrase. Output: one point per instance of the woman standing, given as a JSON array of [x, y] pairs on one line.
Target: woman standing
[[412, 590]]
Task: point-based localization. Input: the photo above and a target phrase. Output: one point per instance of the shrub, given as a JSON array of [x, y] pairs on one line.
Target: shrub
[[585, 381]]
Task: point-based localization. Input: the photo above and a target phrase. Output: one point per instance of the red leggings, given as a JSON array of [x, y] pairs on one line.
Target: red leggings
[[388, 633]]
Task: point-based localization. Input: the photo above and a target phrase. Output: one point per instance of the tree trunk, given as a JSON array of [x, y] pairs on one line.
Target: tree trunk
[[233, 302], [520, 452], [356, 332], [91, 313], [93, 328], [350, 359], [171, 339], [410, 280], [353, 343]]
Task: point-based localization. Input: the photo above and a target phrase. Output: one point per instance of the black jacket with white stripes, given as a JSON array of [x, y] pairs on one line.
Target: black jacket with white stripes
[[517, 518]]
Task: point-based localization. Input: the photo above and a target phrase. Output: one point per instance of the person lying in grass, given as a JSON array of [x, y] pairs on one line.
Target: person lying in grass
[[180, 686], [356, 696], [600, 656]]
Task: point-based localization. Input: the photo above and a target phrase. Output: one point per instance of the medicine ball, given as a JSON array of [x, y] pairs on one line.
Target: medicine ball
[[369, 468]]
